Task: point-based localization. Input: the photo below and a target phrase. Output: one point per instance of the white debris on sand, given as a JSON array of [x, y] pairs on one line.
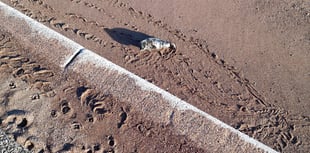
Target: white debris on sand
[[156, 44]]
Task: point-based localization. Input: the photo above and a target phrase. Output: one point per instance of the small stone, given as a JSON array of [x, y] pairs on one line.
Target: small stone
[[35, 96], [12, 85]]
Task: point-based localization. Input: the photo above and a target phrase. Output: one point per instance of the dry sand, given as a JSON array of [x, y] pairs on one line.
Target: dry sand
[[245, 63], [267, 41], [46, 110]]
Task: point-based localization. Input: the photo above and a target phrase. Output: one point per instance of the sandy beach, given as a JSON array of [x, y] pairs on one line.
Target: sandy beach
[[243, 62]]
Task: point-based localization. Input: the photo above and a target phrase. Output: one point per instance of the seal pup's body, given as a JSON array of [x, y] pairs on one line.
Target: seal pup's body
[[156, 44]]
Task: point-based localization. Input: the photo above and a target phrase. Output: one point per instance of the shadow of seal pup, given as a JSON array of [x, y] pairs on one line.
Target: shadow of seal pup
[[150, 44]]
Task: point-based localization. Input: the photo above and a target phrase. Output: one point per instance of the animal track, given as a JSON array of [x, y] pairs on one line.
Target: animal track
[[29, 145], [89, 117], [24, 69], [87, 96], [99, 107], [12, 85], [123, 117], [53, 113], [65, 26], [76, 125], [88, 4], [64, 107], [35, 96], [16, 123], [68, 119], [42, 3], [111, 141]]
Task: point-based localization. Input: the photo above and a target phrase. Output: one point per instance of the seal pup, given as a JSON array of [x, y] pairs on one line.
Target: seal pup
[[156, 44]]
